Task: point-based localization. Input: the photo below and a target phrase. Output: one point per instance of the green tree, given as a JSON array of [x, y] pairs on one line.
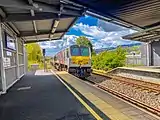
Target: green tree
[[82, 40], [34, 52], [109, 59]]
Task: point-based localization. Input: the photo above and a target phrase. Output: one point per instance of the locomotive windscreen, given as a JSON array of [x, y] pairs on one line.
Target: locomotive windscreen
[[84, 51], [75, 51], [79, 51]]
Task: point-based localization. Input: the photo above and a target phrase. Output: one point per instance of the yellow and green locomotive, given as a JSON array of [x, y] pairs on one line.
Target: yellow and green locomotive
[[74, 59]]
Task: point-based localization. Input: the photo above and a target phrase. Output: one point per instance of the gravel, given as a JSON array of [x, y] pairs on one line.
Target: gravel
[[144, 96], [97, 78]]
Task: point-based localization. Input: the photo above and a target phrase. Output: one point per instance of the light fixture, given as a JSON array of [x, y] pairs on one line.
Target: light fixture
[[56, 22]]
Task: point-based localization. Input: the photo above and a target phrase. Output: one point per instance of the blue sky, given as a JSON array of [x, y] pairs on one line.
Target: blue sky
[[102, 34]]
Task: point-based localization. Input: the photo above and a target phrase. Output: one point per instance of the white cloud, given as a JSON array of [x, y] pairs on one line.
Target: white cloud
[[104, 38], [93, 31], [57, 45], [100, 36]]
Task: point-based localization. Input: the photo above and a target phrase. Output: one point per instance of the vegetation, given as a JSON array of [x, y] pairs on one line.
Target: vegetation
[[135, 49], [109, 59], [34, 54], [82, 40], [105, 60]]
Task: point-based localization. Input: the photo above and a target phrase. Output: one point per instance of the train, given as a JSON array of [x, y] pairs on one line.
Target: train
[[75, 59]]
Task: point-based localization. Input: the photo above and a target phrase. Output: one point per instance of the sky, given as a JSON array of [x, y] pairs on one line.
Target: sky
[[102, 34]]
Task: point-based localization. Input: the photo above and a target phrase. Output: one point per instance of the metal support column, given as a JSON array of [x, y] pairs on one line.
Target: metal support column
[[17, 58], [148, 57], [3, 75], [24, 58]]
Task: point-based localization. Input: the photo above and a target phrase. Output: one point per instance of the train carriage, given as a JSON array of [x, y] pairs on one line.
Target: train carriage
[[74, 59]]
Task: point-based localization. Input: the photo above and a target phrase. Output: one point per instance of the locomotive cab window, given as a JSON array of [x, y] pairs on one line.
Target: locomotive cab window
[[84, 51], [75, 51]]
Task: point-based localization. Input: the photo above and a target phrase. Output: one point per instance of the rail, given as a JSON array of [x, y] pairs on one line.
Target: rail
[[139, 85]]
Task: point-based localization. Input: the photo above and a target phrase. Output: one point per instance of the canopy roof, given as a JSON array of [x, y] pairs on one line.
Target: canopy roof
[[141, 15], [148, 35], [135, 14], [39, 20]]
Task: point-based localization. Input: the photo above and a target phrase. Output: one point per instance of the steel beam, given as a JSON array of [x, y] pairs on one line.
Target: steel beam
[[148, 38], [2, 13], [26, 42], [30, 1], [14, 27], [30, 33], [69, 26], [38, 6], [16, 4], [39, 16], [142, 33]]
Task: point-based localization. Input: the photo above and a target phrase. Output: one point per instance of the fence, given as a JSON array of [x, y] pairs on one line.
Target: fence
[[136, 60]]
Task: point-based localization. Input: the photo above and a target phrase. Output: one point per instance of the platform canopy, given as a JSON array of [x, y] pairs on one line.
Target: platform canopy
[[39, 20], [140, 15], [148, 35]]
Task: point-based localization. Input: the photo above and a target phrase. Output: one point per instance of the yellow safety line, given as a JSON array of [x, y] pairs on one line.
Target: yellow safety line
[[80, 99]]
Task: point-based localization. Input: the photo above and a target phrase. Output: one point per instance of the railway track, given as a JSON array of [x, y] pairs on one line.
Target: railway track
[[142, 84], [142, 93]]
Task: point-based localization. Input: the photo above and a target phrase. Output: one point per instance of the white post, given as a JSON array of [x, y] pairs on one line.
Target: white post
[[17, 58], [24, 57], [3, 75], [148, 54]]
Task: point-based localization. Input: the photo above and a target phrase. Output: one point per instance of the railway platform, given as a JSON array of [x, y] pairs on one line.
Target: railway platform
[[41, 96], [113, 107], [148, 74], [61, 96]]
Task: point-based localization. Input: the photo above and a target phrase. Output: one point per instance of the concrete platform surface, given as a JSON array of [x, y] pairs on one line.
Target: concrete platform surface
[[41, 97], [111, 106], [147, 69], [148, 74]]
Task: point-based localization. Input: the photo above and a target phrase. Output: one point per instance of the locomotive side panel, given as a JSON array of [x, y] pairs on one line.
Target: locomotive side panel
[[66, 57]]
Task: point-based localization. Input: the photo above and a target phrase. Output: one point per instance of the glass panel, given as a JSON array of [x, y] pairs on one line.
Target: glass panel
[[20, 47], [84, 51], [21, 59], [9, 58], [75, 51]]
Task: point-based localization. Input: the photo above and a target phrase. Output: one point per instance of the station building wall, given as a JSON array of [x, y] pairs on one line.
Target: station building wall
[[155, 47], [11, 58]]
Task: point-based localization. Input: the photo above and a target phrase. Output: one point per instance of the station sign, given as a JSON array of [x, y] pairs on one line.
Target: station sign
[[7, 62]]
